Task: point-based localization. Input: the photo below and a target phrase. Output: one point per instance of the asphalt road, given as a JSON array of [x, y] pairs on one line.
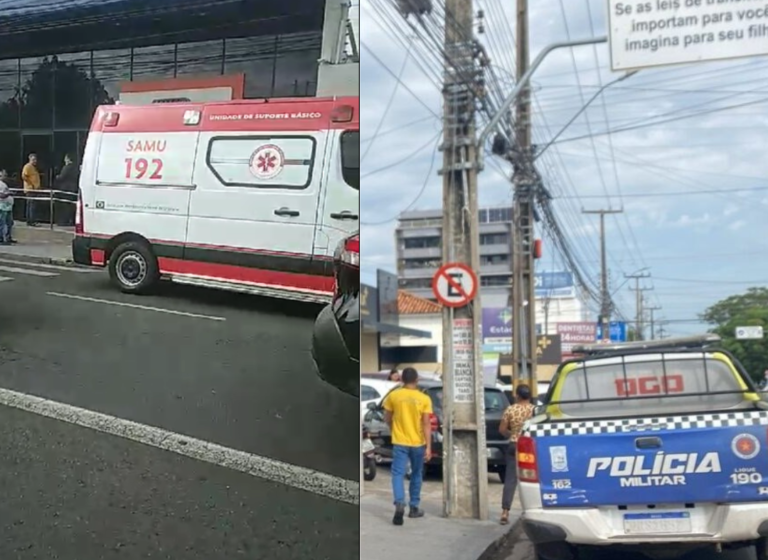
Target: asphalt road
[[228, 369]]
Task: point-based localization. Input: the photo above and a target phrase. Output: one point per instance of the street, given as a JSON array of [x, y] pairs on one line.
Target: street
[[201, 430]]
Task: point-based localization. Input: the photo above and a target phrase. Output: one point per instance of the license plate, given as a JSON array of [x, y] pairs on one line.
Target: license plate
[[368, 446], [655, 523]]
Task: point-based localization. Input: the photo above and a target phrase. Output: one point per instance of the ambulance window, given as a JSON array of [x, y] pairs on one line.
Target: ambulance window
[[350, 158], [273, 162]]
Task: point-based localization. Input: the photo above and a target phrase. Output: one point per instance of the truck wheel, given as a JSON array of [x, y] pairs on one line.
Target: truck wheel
[[133, 268], [555, 551], [761, 549]]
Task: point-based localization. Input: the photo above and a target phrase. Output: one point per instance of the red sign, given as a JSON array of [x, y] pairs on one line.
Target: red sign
[[455, 285], [649, 385]]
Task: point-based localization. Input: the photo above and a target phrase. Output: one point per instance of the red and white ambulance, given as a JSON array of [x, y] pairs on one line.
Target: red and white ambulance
[[251, 195]]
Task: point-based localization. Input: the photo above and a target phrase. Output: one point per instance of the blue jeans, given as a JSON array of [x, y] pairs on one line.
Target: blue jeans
[[401, 455], [6, 223]]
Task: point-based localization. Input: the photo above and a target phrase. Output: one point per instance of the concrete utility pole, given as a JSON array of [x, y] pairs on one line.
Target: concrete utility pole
[[465, 465], [523, 289], [652, 320], [605, 294], [639, 326]]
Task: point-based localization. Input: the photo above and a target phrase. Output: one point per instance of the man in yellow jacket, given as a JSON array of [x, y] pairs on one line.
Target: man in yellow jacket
[[30, 176]]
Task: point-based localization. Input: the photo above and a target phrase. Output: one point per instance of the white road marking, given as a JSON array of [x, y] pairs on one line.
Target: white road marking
[[29, 271], [51, 266], [5, 278], [136, 306], [322, 484]]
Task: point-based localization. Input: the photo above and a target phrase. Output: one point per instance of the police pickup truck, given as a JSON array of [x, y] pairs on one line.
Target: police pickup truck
[[659, 447]]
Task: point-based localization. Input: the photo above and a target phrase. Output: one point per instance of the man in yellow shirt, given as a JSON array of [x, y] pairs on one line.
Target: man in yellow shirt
[[30, 177], [407, 411]]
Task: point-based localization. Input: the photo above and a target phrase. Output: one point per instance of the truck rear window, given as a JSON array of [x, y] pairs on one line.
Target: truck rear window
[[649, 385]]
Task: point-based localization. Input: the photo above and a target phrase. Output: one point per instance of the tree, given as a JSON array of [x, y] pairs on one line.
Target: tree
[[743, 310]]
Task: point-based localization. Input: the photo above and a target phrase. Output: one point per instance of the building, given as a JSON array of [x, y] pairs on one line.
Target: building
[[59, 60], [418, 244]]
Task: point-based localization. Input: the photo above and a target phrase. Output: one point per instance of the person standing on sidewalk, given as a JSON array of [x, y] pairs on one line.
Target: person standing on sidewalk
[[30, 177], [511, 427], [407, 412], [6, 210]]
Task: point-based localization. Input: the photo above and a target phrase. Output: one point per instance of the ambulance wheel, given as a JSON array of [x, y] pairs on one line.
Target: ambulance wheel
[[133, 268], [761, 549]]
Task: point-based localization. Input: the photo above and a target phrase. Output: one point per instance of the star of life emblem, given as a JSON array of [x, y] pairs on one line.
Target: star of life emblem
[[267, 162]]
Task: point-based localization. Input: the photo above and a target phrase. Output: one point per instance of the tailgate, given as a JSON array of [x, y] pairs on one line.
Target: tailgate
[[686, 459]]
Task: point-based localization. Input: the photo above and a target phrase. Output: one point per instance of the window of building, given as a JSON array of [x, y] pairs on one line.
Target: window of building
[[73, 91], [421, 263], [154, 63], [37, 92], [266, 162], [296, 65], [10, 152], [500, 214], [502, 280], [494, 239], [110, 68], [483, 216], [494, 259], [421, 242], [9, 89], [205, 58], [350, 158], [416, 283], [254, 57]]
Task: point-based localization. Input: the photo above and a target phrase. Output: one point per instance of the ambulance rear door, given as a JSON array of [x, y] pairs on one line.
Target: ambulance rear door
[[144, 173], [339, 215]]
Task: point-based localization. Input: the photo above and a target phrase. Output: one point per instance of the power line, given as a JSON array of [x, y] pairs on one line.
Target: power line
[[671, 193]]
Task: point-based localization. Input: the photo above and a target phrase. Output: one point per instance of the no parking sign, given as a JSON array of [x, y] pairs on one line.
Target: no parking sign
[[455, 285]]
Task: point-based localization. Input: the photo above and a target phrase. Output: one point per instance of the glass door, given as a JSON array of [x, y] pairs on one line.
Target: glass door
[[42, 145]]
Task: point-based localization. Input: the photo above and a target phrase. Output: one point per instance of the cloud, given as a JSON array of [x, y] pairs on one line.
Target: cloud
[[671, 179]]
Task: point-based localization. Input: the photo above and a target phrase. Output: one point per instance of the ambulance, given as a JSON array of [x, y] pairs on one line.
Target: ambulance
[[251, 196]]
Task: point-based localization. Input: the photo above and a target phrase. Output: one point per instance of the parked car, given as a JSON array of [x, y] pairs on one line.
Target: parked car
[[495, 404], [336, 335], [542, 387], [373, 390]]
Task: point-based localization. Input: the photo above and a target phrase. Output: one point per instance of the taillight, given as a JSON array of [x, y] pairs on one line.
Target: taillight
[[527, 465], [79, 226], [348, 252], [434, 423]]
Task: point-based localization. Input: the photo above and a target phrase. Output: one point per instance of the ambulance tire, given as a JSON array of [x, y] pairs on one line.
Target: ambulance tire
[[761, 549], [133, 268], [555, 551]]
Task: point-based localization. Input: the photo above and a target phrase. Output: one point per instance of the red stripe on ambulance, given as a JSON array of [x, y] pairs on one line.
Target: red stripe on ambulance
[[285, 115]]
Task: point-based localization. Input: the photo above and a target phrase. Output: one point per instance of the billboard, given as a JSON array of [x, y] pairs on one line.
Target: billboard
[[650, 34], [576, 333], [554, 285], [388, 287], [497, 329], [618, 330]]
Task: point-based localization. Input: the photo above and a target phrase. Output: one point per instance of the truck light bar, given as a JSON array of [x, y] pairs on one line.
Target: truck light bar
[[685, 342]]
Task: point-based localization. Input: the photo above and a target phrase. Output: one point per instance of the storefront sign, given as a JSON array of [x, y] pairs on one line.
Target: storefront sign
[[548, 349], [497, 329], [554, 285], [463, 362]]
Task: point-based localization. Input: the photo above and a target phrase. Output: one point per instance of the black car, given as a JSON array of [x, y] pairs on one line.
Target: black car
[[336, 335], [495, 404]]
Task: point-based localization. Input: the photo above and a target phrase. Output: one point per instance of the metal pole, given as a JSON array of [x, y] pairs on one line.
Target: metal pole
[[653, 321], [605, 295], [526, 77], [639, 300], [465, 467]]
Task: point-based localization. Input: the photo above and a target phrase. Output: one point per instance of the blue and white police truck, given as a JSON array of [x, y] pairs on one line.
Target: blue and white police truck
[[660, 447]]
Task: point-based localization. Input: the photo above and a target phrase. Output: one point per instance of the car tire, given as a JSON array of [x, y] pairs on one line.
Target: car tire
[[761, 549], [554, 551], [133, 268]]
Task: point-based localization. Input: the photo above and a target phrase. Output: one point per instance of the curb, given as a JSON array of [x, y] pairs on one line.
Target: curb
[[42, 260], [503, 548]]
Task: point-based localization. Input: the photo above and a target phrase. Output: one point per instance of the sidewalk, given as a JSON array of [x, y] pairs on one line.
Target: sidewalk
[[430, 538], [41, 244]]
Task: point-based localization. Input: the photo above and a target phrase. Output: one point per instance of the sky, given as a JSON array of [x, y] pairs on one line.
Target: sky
[[694, 191]]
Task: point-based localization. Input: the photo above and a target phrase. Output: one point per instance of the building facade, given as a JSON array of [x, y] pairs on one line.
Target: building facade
[[59, 61], [418, 242]]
